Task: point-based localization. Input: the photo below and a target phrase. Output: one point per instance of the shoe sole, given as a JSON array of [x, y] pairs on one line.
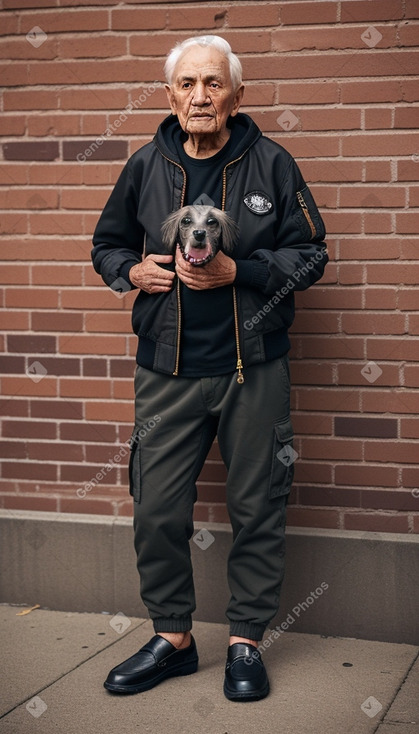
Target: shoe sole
[[147, 685], [243, 697]]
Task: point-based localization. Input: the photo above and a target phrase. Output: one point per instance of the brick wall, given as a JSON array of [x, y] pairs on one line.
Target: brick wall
[[334, 83]]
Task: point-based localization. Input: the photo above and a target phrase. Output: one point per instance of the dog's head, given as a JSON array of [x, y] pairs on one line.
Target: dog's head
[[200, 232]]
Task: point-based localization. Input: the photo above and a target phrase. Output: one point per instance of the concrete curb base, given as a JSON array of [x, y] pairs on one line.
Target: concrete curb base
[[350, 584]]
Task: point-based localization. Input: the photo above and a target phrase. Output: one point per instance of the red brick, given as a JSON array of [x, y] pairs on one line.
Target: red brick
[[77, 431], [29, 470], [400, 452], [42, 321], [28, 99], [137, 19], [13, 174], [378, 171], [59, 451], [393, 348], [407, 299], [58, 125], [331, 449], [13, 321], [63, 409], [307, 12], [25, 502], [13, 450], [370, 91], [249, 16], [376, 522], [381, 298], [46, 150], [406, 117], [323, 399], [33, 298], [86, 505], [197, 18], [394, 401], [87, 344], [372, 196], [409, 428], [100, 411], [75, 48], [83, 388], [411, 375], [393, 273], [357, 11], [366, 475], [15, 274], [12, 125], [70, 20], [331, 37], [312, 518], [380, 323], [378, 223]]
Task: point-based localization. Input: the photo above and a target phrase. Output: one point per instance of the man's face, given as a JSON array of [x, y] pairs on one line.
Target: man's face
[[202, 95]]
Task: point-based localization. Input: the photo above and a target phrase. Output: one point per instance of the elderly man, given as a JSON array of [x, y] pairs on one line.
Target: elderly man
[[212, 357]]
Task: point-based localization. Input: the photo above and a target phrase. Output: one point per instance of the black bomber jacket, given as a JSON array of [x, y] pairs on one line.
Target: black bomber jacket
[[280, 248]]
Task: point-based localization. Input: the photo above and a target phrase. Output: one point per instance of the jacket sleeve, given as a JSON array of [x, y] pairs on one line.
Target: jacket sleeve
[[118, 238], [298, 256]]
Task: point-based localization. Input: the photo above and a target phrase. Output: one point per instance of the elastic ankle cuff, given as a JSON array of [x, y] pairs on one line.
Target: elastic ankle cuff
[[181, 624], [247, 629]]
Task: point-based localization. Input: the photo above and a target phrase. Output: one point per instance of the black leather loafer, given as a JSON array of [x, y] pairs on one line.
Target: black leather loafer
[[153, 663], [245, 675]]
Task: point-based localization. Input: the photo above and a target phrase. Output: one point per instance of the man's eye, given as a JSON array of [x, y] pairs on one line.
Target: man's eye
[[214, 85], [186, 221], [186, 85], [211, 221]]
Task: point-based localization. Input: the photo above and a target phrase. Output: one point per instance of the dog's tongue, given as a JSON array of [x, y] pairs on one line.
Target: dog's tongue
[[197, 255]]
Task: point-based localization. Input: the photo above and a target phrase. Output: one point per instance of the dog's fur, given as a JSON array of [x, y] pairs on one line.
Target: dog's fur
[[200, 232]]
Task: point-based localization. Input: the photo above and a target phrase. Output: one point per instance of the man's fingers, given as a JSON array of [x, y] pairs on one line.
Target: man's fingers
[[159, 258]]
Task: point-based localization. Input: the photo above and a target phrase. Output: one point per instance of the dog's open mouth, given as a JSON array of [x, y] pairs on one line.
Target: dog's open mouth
[[197, 255]]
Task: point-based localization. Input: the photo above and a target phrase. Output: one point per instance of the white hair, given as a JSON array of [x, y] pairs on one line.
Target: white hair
[[219, 43]]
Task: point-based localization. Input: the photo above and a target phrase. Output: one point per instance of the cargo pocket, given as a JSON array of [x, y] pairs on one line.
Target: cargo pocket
[[283, 458], [134, 469]]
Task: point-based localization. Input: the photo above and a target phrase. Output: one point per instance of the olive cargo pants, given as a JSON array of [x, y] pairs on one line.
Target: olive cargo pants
[[176, 420]]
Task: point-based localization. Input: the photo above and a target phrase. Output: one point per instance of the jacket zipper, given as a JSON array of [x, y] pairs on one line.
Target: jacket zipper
[[178, 304], [239, 363], [306, 213]]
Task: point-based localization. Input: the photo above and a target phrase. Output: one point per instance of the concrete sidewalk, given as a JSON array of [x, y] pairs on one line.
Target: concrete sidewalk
[[54, 665]]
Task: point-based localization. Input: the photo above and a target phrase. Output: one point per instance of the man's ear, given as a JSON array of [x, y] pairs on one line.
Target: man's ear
[[171, 99], [238, 97]]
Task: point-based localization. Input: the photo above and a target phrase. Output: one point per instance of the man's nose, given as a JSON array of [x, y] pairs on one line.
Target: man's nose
[[199, 234], [200, 95]]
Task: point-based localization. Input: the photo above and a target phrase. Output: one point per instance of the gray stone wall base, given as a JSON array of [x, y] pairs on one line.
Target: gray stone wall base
[[337, 583]]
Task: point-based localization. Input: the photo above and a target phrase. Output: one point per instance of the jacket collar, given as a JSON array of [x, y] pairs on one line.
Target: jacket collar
[[163, 138]]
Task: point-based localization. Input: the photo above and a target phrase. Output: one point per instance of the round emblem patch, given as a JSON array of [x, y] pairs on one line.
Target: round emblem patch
[[258, 202]]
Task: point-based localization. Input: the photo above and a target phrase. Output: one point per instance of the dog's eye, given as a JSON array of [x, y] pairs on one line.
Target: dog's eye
[[211, 221], [186, 221]]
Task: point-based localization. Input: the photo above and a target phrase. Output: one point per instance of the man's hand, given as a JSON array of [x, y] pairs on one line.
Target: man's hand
[[150, 277], [218, 272]]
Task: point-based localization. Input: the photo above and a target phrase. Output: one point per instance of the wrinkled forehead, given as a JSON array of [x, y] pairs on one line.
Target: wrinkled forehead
[[202, 62]]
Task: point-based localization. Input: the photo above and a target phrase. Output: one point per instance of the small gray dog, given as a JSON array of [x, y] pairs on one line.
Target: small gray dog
[[200, 232]]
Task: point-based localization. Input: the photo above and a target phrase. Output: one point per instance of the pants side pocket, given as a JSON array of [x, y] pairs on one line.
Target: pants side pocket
[[134, 469], [283, 458]]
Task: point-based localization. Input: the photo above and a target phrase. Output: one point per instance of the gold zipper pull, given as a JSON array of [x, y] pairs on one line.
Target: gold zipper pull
[[240, 376]]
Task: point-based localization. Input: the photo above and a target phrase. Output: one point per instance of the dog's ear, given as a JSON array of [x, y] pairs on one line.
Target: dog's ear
[[229, 232], [169, 229]]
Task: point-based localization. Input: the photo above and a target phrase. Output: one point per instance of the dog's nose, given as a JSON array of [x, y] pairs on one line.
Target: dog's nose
[[199, 234]]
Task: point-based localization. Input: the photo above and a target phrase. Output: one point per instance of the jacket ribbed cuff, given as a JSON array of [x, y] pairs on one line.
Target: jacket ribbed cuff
[[124, 271], [171, 624], [251, 274], [247, 629]]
